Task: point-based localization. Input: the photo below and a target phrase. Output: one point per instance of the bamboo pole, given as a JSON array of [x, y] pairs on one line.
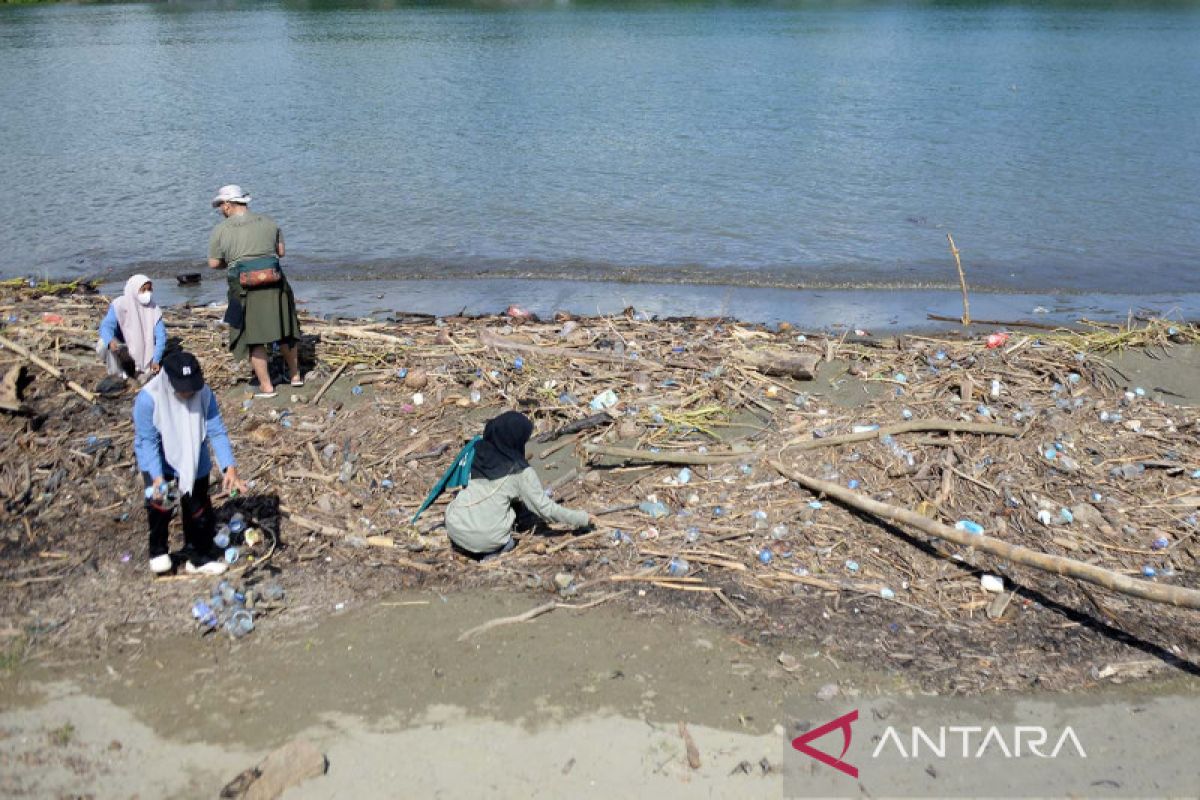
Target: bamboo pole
[[632, 454], [48, 367], [915, 426], [962, 279], [1059, 565]]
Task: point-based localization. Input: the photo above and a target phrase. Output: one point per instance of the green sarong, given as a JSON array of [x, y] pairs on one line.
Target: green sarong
[[263, 315]]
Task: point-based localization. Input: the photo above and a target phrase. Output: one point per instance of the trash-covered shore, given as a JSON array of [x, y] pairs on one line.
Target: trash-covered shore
[[688, 434]]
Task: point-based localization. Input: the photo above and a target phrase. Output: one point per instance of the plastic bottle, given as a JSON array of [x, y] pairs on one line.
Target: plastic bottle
[[204, 614], [967, 526], [476, 396], [240, 623], [765, 556], [222, 537], [677, 567], [237, 523], [231, 555], [691, 535]]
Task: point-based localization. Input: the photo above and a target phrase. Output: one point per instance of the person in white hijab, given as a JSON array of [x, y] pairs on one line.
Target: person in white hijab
[[175, 418], [133, 337]]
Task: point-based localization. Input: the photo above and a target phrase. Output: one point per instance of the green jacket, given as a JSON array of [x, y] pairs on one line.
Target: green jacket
[[480, 519]]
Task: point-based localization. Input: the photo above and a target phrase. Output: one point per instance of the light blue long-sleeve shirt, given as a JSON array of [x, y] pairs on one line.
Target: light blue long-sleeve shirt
[[109, 327], [147, 442]]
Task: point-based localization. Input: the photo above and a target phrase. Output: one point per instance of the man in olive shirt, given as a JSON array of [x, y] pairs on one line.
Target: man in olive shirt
[[261, 315]]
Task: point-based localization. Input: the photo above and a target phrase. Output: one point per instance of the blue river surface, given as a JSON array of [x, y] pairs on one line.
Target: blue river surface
[[450, 153]]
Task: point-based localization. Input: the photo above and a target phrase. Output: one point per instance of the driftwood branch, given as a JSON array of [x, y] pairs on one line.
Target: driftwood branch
[[575, 427], [533, 613], [632, 454], [775, 362], [1059, 565], [337, 373], [500, 343], [915, 426], [48, 367]]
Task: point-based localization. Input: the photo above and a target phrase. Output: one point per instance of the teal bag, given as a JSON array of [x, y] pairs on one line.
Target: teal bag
[[458, 474]]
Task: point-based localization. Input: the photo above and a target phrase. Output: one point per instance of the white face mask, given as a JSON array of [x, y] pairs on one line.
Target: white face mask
[[145, 297]]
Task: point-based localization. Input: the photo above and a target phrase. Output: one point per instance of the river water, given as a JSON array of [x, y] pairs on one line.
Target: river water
[[801, 145]]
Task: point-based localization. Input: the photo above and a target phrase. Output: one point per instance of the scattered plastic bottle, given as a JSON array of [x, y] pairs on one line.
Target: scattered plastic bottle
[[1149, 571], [1066, 516], [851, 565], [654, 509], [402, 373], [967, 526], [684, 476], [346, 472], [1097, 497], [237, 523], [231, 555], [204, 614], [518, 363], [677, 567], [240, 623], [865, 428], [1044, 517], [387, 483], [779, 532], [745, 469], [718, 511], [900, 377], [815, 505], [222, 537], [691, 535], [475, 396], [1160, 543], [887, 594], [1128, 471], [765, 556], [906, 413], [852, 484], [357, 390]]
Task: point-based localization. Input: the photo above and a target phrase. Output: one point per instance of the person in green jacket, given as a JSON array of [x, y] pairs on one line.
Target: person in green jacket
[[262, 315], [504, 493]]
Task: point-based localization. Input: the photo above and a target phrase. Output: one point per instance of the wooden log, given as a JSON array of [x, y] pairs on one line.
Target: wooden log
[[802, 366], [664, 457], [575, 427], [1059, 565], [48, 367], [490, 339]]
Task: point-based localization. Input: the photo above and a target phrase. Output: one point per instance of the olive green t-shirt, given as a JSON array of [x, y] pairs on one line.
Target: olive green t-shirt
[[243, 236]]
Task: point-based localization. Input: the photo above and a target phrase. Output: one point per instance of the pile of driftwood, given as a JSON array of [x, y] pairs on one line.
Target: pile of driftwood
[[945, 488]]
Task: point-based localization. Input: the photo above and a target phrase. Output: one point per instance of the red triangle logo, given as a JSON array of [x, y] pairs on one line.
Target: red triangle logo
[[843, 722]]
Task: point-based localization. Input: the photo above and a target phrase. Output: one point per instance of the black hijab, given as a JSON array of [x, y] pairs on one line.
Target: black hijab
[[501, 452]]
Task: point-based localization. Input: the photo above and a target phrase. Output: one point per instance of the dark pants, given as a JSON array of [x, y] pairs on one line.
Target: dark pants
[[199, 523]]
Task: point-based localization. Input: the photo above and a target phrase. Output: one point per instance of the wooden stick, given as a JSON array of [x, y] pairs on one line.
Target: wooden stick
[[802, 366], [533, 613], [629, 453], [337, 373], [500, 343], [689, 745], [946, 425], [962, 279], [48, 367], [1171, 595]]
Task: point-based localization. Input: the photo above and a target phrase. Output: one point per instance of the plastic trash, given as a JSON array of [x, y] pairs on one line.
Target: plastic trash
[[967, 526], [357, 390], [518, 363], [995, 340], [1044, 517], [745, 469], [222, 537], [900, 377], [1066, 516], [346, 472], [606, 399], [475, 396], [906, 413], [402, 373], [387, 483], [691, 535], [204, 614], [240, 623], [418, 399], [516, 312], [779, 532], [718, 511], [654, 509], [887, 594], [765, 556], [852, 565], [992, 583], [231, 555], [677, 567], [1149, 571], [1161, 543], [237, 523], [1127, 471], [814, 504], [865, 428], [684, 475]]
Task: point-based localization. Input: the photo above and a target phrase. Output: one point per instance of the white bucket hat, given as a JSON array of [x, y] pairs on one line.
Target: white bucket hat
[[231, 194]]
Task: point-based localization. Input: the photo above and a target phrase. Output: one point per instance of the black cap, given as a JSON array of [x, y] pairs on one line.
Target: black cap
[[183, 371]]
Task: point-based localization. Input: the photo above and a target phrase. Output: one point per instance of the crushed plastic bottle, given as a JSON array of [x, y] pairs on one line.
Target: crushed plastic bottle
[[346, 472], [1066, 516], [654, 509], [779, 532], [222, 537], [357, 390], [475, 396], [765, 556], [1044, 517], [604, 400], [231, 555], [691, 535], [865, 428], [900, 377], [852, 484], [1160, 543], [967, 526], [203, 613], [1149, 571], [814, 504], [237, 523], [887, 594], [678, 567], [852, 565], [240, 623], [518, 363], [684, 476], [906, 413]]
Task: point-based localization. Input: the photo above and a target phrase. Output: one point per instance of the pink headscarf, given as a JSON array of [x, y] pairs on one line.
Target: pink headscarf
[[137, 322]]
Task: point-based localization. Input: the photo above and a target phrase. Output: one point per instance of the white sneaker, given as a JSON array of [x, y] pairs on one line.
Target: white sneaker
[[207, 568], [160, 564]]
